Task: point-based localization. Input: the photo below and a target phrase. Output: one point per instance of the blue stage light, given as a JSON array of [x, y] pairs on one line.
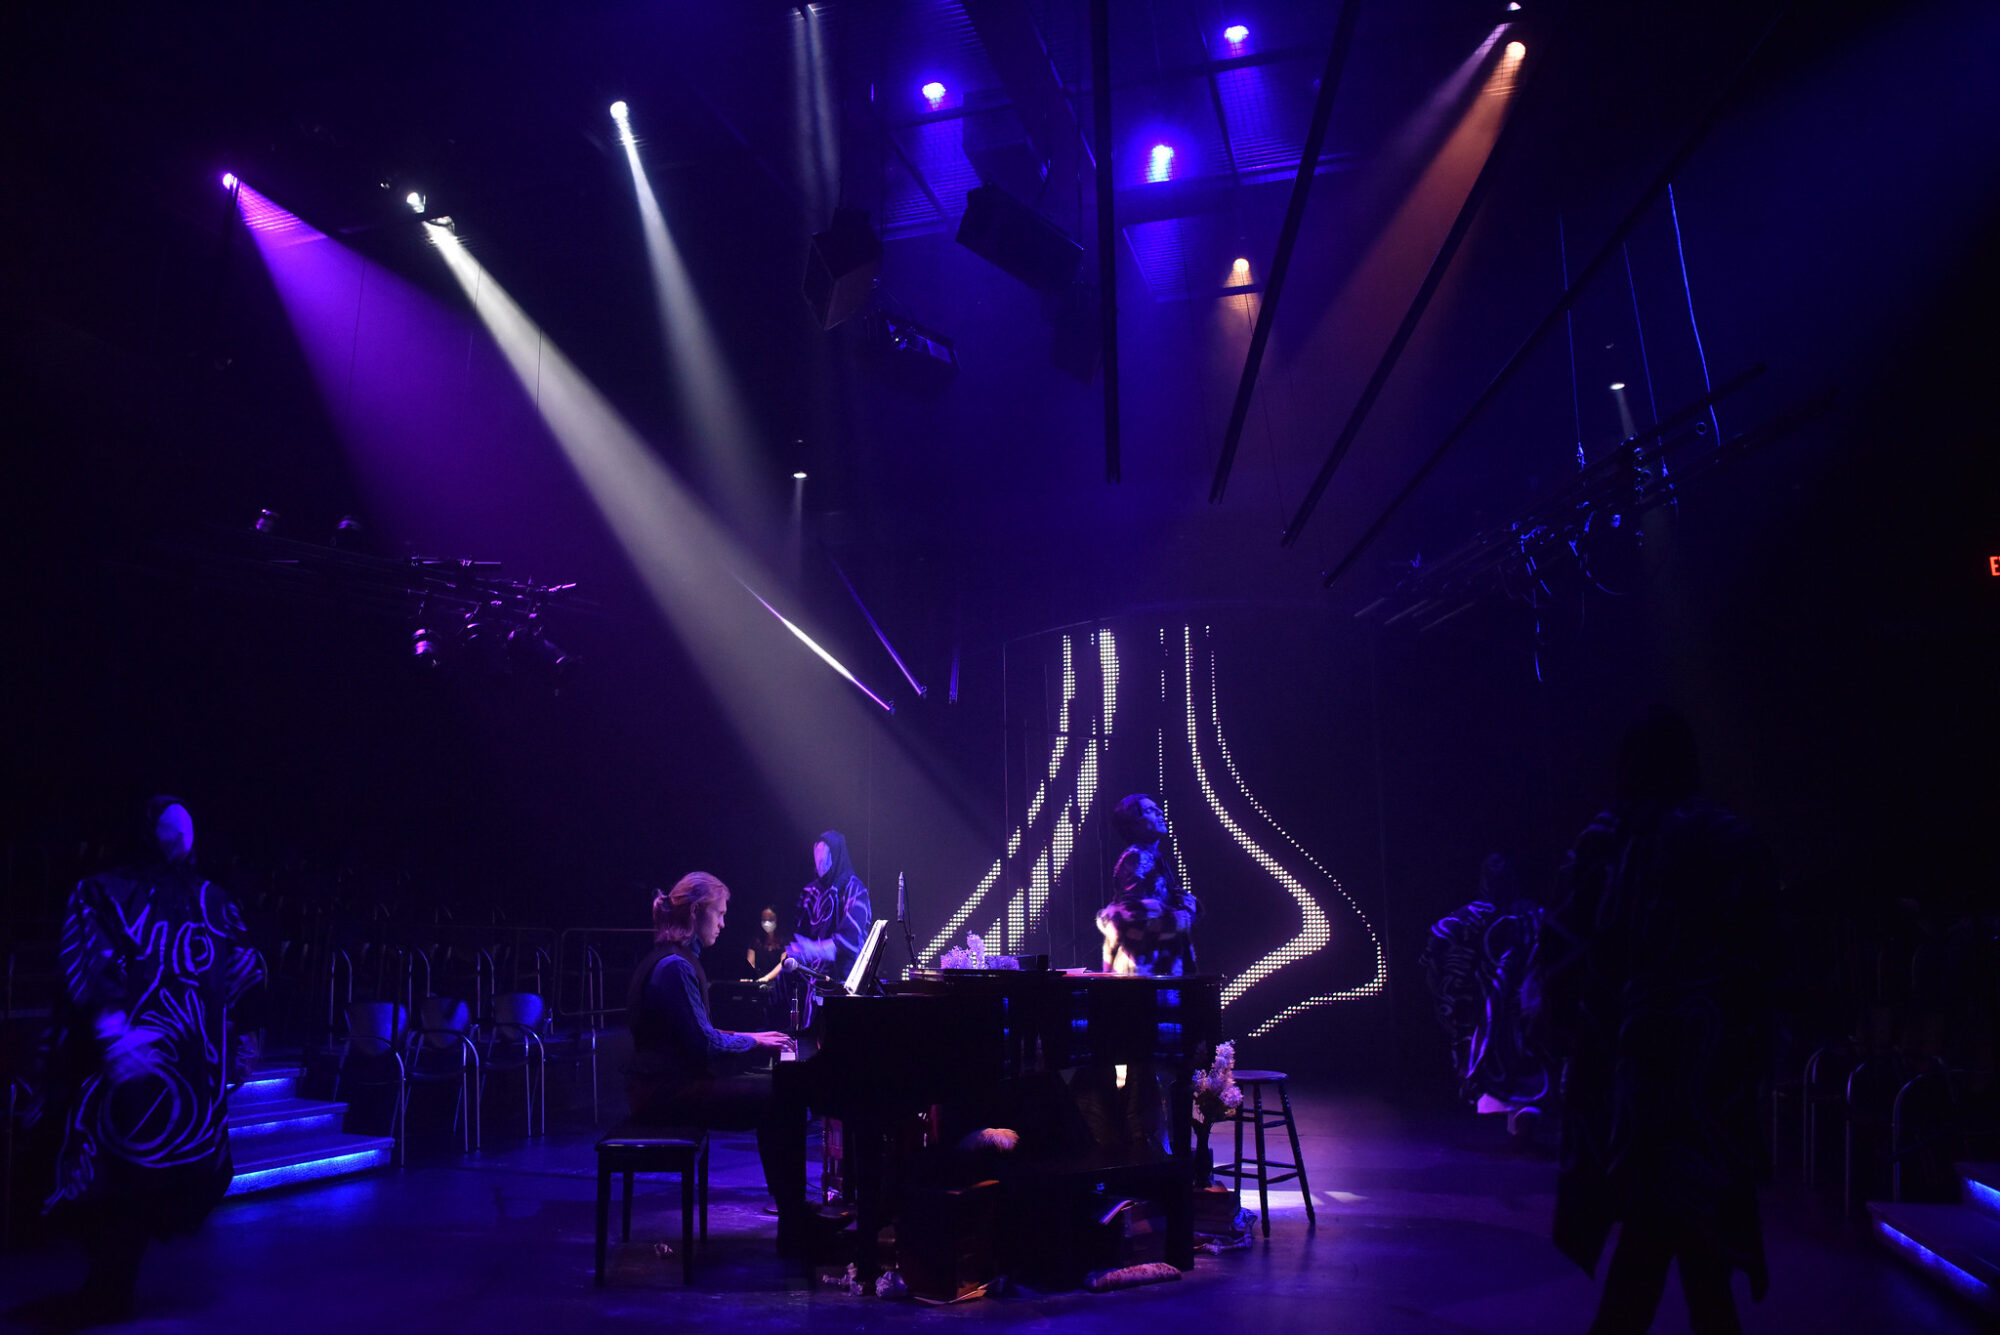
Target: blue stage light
[[1160, 163], [934, 94], [1235, 34]]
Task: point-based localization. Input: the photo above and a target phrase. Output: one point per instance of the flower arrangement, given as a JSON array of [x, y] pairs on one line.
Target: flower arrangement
[[972, 955], [1215, 1090]]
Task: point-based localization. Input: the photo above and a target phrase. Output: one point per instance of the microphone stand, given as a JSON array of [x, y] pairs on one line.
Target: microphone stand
[[903, 918]]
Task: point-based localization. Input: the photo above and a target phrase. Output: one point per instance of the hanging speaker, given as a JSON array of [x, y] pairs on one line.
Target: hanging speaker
[[999, 228], [842, 266]]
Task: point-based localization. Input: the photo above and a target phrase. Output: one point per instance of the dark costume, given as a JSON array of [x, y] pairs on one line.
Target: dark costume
[[1147, 929], [1652, 976], [832, 908], [154, 1023], [686, 1072], [1150, 915]]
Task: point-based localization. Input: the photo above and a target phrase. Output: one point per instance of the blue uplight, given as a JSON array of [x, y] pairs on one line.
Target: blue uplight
[[1236, 34], [263, 1179], [934, 94], [1964, 1282], [1160, 163]]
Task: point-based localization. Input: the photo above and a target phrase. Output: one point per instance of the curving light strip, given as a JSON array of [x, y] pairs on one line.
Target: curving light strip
[[1378, 982], [1024, 911], [1314, 933]]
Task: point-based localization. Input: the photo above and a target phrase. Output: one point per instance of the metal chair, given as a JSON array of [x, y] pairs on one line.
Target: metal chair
[[510, 1043], [372, 1050], [631, 1149], [1253, 1115], [440, 1050]]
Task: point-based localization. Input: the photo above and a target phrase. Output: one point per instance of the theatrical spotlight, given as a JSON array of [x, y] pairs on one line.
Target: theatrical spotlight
[[529, 650], [426, 649], [1609, 551], [230, 181], [416, 202], [619, 111], [921, 358], [1515, 50], [266, 522], [1236, 33]]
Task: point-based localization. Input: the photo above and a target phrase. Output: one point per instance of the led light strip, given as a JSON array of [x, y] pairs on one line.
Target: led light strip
[[1379, 981], [1025, 909], [1314, 933], [1107, 666]]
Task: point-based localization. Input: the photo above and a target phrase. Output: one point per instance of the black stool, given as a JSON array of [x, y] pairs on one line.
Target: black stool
[[1252, 1114], [631, 1149]]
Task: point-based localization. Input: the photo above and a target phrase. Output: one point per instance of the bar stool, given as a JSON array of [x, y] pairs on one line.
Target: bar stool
[[634, 1149], [1268, 1170]]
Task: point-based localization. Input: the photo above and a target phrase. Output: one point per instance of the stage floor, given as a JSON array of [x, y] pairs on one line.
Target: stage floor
[[1431, 1223]]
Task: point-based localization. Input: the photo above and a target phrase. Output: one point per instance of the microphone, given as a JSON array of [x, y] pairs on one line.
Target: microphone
[[792, 965]]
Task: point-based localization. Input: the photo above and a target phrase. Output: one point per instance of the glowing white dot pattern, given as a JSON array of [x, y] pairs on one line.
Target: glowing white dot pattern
[[1025, 908], [1314, 934], [1379, 979], [1107, 666], [949, 935]]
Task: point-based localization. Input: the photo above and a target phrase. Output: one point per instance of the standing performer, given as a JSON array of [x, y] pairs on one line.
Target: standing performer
[[1146, 929], [1653, 975], [766, 955], [833, 920], [1146, 925], [157, 975]]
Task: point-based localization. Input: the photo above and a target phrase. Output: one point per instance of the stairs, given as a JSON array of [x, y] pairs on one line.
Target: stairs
[[278, 1139], [1958, 1246]]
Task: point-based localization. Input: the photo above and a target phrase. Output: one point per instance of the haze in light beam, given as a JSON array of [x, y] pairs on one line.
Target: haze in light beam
[[714, 418], [801, 724]]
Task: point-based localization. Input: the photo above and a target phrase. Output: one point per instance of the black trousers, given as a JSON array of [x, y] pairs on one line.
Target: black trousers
[[1638, 1277]]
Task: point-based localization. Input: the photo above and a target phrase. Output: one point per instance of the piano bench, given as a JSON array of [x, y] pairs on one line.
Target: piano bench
[[633, 1148]]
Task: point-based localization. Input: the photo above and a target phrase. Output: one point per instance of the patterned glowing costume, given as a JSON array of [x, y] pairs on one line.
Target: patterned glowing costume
[[157, 975]]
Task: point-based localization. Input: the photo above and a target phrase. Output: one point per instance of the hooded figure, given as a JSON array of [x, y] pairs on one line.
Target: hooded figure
[[152, 1028], [1652, 976], [833, 919]]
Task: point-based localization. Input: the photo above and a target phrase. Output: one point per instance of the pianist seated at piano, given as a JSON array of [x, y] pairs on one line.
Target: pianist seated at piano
[[686, 1072]]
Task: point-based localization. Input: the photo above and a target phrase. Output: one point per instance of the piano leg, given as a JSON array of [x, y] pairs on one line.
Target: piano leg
[[1180, 1189]]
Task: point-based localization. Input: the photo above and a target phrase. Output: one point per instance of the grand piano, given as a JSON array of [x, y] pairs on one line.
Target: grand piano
[[954, 1040]]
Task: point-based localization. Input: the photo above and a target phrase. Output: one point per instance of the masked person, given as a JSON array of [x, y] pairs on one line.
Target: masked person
[[766, 955], [833, 920], [154, 1028]]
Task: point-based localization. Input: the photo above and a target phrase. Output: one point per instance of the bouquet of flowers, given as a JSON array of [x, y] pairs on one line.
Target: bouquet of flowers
[[972, 955], [1215, 1091]]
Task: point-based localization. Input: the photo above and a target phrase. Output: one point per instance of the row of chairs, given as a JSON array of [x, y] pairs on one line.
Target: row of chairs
[[449, 1045], [312, 984]]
